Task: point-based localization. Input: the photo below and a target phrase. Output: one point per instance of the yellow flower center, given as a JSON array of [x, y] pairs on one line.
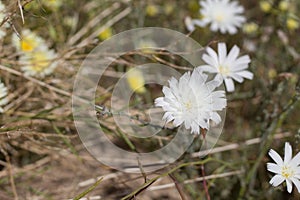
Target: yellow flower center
[[219, 18], [39, 61], [27, 44], [224, 70], [287, 172], [188, 105]]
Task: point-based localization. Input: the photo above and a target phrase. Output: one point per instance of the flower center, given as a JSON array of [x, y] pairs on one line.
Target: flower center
[[287, 172], [188, 105], [219, 18], [39, 62], [224, 70], [27, 45]]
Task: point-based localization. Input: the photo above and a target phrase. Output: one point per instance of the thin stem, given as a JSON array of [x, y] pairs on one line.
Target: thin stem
[[151, 181]]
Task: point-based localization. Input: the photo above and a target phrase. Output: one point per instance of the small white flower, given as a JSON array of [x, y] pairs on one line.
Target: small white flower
[[223, 15], [227, 67], [39, 63], [286, 170], [192, 101], [28, 42], [3, 96]]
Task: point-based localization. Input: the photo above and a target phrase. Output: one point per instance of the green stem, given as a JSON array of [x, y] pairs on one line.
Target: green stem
[[88, 190]]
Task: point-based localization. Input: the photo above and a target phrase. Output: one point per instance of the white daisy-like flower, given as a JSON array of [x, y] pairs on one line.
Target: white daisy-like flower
[[3, 96], [28, 42], [223, 15], [192, 101], [39, 63], [227, 67], [287, 170]]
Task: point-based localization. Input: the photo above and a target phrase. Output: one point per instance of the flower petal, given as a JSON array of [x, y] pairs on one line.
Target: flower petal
[[272, 167], [276, 157], [296, 160], [222, 51], [289, 185], [229, 84], [287, 152], [246, 74], [296, 183], [233, 54], [276, 180]]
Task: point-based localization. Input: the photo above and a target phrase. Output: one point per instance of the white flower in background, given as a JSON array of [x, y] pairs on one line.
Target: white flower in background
[[3, 96], [223, 15], [227, 67], [39, 63], [28, 42], [192, 101], [286, 170], [189, 24], [37, 59], [2, 17]]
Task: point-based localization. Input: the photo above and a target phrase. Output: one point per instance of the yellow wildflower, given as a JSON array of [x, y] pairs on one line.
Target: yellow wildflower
[[107, 33], [136, 80], [250, 28], [284, 5], [265, 6], [292, 24], [152, 10], [28, 42]]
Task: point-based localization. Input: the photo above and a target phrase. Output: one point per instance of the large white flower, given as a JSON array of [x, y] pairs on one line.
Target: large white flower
[[192, 101], [3, 96], [227, 67], [223, 15], [286, 170]]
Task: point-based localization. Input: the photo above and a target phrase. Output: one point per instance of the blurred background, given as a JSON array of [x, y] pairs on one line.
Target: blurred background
[[41, 155]]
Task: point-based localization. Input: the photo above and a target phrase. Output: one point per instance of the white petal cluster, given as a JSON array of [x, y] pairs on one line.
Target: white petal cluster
[[228, 67], [287, 170], [35, 56], [222, 15], [192, 101]]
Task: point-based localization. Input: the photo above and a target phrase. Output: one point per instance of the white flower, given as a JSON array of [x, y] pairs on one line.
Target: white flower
[[39, 63], [192, 101], [3, 96], [286, 170], [227, 67], [28, 42], [223, 15]]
